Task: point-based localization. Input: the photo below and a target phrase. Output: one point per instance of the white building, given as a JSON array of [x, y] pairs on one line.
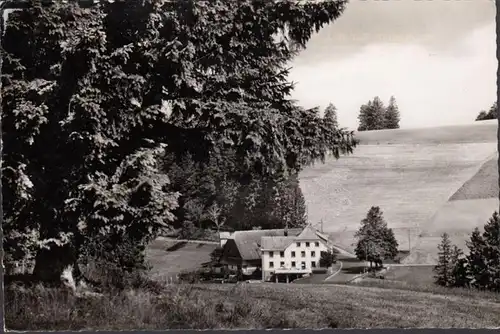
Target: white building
[[293, 256]]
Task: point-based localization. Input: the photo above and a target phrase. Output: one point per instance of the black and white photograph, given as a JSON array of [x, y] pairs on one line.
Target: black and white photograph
[[249, 164]]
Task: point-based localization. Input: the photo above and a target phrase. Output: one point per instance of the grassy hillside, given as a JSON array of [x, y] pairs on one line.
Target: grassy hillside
[[411, 174], [168, 257], [483, 185], [246, 306], [478, 132]]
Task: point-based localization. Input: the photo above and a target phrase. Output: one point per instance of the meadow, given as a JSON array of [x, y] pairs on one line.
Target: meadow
[[168, 257], [253, 306], [414, 175]]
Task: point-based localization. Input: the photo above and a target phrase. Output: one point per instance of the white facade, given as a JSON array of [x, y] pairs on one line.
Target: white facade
[[301, 256]]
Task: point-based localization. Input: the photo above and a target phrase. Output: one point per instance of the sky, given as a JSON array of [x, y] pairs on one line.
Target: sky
[[438, 58]]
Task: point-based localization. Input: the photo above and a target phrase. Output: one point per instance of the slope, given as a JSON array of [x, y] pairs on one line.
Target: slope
[[409, 173]]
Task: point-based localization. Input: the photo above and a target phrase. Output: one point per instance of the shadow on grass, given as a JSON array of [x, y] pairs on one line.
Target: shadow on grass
[[349, 260], [177, 246]]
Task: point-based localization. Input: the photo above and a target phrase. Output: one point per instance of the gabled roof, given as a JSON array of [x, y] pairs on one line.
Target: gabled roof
[[308, 233], [249, 242], [276, 243]]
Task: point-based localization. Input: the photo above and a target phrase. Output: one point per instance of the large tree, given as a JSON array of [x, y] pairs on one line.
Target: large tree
[[372, 115], [376, 242], [94, 98], [391, 115]]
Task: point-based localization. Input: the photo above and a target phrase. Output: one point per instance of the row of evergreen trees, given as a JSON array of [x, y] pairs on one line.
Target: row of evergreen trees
[[480, 268], [375, 116], [491, 114]]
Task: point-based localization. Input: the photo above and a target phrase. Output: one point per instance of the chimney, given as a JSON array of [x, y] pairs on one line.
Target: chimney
[[286, 230]]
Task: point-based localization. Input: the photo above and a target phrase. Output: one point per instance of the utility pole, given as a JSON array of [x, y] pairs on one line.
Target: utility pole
[[409, 240]]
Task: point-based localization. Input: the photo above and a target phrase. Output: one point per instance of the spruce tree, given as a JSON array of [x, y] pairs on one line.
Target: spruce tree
[[491, 252], [459, 267], [330, 117], [392, 116], [444, 267], [491, 114], [372, 115], [477, 263]]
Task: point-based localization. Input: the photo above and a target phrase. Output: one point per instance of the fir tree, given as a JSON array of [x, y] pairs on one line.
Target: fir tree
[[372, 115], [392, 116], [476, 260], [488, 268], [444, 268], [459, 271], [330, 117], [491, 114]]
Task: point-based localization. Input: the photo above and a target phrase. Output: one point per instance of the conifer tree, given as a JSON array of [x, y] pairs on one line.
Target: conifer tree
[[459, 271], [476, 261], [444, 267], [392, 116], [372, 115], [491, 114], [330, 117], [484, 255]]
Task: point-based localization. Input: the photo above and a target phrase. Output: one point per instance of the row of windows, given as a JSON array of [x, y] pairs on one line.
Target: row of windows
[[302, 254], [308, 244], [303, 264]]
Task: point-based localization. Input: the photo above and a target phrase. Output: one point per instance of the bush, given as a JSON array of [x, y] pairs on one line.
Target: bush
[[115, 263]]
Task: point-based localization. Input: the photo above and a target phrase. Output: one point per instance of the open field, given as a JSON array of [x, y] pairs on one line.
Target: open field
[[411, 174], [220, 306], [411, 275], [169, 257]]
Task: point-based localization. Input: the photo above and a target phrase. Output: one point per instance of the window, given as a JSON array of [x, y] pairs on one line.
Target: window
[[293, 264], [271, 264], [303, 254], [316, 244], [313, 254], [303, 265], [307, 244], [313, 264], [282, 264], [293, 254], [282, 254], [271, 254], [298, 244]]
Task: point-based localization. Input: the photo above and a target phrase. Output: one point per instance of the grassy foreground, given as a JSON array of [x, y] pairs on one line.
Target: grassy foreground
[[252, 306]]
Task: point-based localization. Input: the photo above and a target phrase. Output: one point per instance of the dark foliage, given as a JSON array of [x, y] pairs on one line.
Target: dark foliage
[[100, 103], [376, 242], [491, 114]]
